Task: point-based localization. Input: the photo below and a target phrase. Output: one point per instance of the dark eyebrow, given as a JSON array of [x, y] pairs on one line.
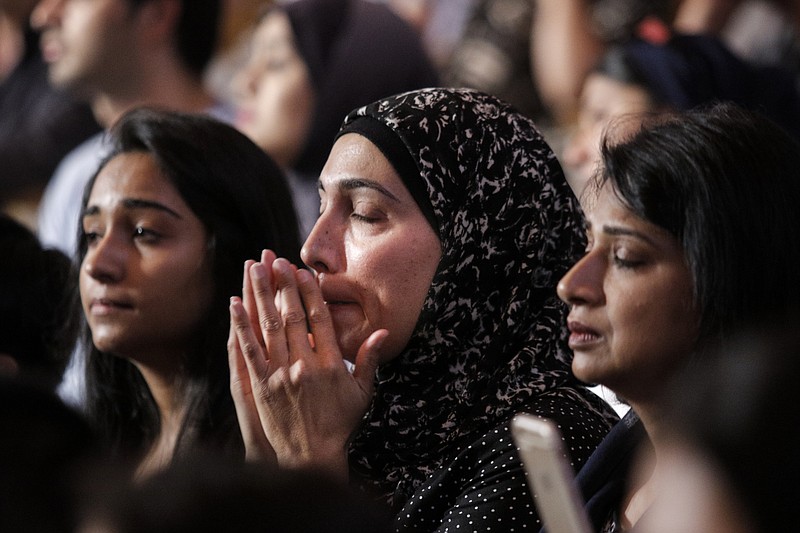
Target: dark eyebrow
[[136, 203], [349, 184], [627, 232]]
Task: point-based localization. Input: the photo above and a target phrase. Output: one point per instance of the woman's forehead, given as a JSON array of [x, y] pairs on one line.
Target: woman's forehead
[[356, 162]]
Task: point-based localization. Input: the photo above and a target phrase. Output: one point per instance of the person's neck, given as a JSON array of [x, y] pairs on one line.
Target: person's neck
[[167, 391], [167, 86], [643, 478]]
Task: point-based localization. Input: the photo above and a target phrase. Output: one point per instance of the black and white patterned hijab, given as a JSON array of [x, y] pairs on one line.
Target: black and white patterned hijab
[[491, 335]]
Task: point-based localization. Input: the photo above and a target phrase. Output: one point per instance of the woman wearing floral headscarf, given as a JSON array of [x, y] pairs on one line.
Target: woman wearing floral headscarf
[[446, 223]]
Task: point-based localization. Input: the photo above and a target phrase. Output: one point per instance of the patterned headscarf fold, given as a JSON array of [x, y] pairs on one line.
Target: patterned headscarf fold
[[491, 334]]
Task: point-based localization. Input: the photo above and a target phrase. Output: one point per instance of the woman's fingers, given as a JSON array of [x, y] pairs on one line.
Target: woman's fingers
[[247, 342], [269, 317], [257, 447], [293, 314], [319, 318], [249, 301], [367, 360]]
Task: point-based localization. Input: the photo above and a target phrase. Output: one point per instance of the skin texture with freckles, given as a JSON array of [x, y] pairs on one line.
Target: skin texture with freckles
[[632, 321], [146, 280], [374, 252]]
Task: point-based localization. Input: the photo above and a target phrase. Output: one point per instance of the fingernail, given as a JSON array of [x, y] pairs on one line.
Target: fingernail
[[235, 308], [257, 271], [378, 342], [282, 265], [304, 276]]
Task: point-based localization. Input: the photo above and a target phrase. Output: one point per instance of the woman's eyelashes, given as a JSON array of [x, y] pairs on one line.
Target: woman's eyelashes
[[628, 255], [368, 212], [146, 235], [360, 211], [92, 230], [139, 233], [621, 260], [621, 254], [90, 237], [363, 218]]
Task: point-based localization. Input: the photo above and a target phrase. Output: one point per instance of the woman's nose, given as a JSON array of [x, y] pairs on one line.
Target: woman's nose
[[245, 83], [322, 249], [583, 283], [46, 13], [105, 260]]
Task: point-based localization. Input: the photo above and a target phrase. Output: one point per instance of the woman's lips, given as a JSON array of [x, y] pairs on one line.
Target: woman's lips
[[244, 117], [51, 49], [338, 297], [581, 336], [337, 304], [105, 306], [343, 310]]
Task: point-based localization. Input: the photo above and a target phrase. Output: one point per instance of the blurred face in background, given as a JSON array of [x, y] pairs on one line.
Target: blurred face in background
[[602, 100], [89, 45], [276, 95]]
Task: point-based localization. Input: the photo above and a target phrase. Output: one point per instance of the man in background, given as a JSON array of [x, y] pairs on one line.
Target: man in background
[[120, 54]]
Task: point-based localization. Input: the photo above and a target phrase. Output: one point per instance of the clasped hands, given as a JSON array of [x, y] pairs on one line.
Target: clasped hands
[[296, 402]]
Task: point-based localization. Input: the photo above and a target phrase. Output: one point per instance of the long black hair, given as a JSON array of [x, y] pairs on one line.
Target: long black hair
[[241, 198]]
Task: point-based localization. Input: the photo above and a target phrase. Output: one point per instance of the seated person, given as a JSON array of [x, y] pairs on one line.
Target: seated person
[[445, 225], [691, 225], [167, 221]]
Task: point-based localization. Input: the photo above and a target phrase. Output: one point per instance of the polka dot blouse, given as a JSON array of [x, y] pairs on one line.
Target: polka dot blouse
[[484, 487]]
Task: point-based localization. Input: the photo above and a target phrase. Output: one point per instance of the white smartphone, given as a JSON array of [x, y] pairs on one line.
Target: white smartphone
[[550, 477]]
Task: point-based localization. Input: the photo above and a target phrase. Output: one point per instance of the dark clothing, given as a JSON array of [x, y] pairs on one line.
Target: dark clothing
[[484, 488], [38, 125], [603, 479]]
